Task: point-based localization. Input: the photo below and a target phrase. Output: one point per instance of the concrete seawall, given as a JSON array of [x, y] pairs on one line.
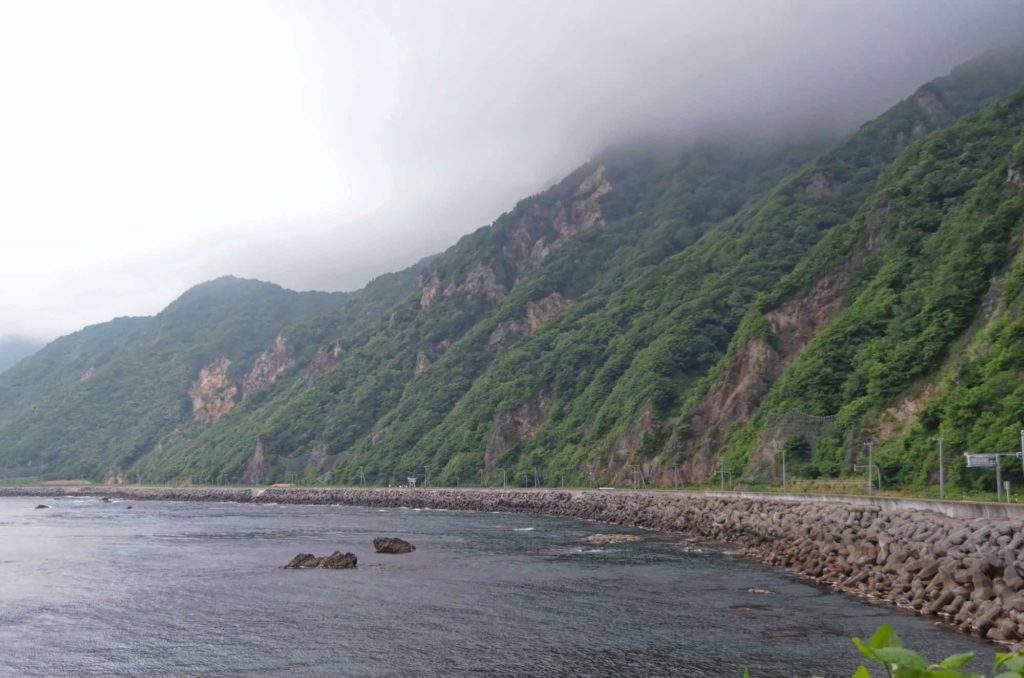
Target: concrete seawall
[[960, 562]]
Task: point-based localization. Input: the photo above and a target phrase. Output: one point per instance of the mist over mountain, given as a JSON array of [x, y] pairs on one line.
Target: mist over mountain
[[671, 307], [357, 138]]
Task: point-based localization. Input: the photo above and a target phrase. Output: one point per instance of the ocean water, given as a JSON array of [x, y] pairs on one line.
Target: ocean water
[[195, 589]]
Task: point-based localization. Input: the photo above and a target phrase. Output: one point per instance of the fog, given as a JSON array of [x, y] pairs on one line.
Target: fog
[[148, 146]]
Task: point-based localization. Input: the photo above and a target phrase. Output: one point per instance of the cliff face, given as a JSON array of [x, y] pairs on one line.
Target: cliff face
[[659, 308], [212, 393], [270, 365]]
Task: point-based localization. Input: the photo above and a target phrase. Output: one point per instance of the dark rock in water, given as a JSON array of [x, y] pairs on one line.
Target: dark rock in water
[[302, 560], [392, 545], [335, 561], [128, 506], [105, 500], [42, 506]]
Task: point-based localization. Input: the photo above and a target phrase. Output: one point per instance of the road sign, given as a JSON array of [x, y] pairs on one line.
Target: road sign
[[981, 460]]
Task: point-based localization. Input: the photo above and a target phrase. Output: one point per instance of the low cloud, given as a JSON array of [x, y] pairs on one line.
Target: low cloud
[[155, 145]]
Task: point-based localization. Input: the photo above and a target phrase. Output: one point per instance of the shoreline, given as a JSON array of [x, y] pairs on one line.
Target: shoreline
[[962, 569]]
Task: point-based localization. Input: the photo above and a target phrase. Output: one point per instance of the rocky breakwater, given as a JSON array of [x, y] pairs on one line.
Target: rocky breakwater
[[969, 572]]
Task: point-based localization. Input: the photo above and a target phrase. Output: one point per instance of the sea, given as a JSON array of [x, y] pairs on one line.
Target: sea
[[132, 588]]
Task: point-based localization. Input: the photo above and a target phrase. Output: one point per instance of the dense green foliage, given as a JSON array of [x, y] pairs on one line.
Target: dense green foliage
[[949, 222], [886, 650], [103, 397], [372, 389], [604, 323]]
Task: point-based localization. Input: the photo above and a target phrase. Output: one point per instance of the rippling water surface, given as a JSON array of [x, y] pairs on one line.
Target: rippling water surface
[[95, 589]]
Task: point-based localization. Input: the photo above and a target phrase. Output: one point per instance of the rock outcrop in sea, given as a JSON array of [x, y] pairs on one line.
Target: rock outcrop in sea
[[335, 561], [392, 545]]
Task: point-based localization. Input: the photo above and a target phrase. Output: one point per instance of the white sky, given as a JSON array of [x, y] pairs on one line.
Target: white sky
[[148, 146]]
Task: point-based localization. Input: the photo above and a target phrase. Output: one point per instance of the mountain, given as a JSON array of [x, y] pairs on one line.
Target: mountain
[[13, 349], [662, 307], [94, 402]]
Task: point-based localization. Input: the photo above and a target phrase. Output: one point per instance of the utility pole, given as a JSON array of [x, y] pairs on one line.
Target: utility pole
[[721, 468], [1022, 450], [999, 479], [504, 479], [783, 468], [942, 467], [871, 463], [482, 483], [536, 483], [675, 477], [426, 476], [870, 466], [362, 477]]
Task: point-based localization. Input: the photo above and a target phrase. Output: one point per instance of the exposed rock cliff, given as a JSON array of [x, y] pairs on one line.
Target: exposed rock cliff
[[928, 102], [737, 394], [257, 470], [429, 289], [482, 282], [322, 361], [517, 426], [542, 230], [213, 394], [632, 441], [538, 314], [821, 186], [422, 363], [740, 389], [270, 365]]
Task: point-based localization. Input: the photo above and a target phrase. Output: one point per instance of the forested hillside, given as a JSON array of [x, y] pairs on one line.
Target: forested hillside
[[92, 403], [663, 307]]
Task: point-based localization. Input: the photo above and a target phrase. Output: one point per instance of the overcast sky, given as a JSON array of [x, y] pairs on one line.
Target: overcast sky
[[148, 146]]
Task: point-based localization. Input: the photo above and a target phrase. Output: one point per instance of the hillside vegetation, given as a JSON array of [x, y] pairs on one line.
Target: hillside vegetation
[[661, 309]]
